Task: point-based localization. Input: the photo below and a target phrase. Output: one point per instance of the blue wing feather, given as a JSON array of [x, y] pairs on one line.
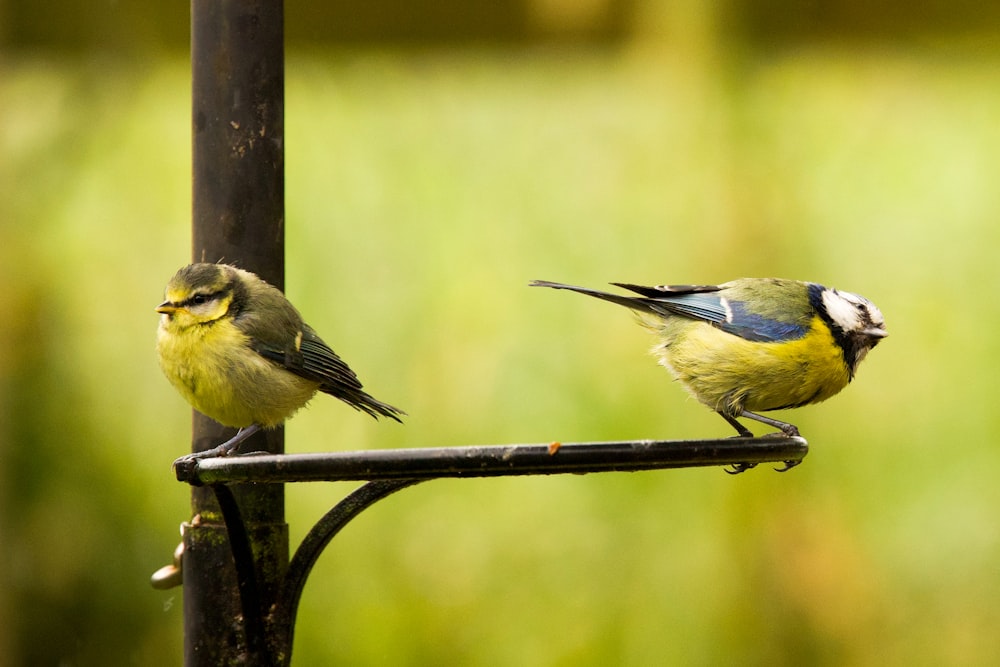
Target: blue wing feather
[[758, 328], [699, 302], [705, 303], [707, 307]]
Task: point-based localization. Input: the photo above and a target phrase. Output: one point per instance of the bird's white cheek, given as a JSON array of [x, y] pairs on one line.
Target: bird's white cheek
[[841, 311]]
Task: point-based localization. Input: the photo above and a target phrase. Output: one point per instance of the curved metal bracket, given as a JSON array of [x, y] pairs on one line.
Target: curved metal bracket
[[255, 625], [315, 542], [270, 632], [269, 636]]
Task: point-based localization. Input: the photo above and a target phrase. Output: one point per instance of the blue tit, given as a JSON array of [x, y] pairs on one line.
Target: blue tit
[[754, 344], [238, 351]]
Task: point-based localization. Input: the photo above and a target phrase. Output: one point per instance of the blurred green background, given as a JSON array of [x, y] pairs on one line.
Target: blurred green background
[[438, 158]]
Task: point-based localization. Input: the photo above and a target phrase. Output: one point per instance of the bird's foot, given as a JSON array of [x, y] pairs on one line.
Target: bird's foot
[[225, 449], [788, 430], [737, 468], [788, 466]]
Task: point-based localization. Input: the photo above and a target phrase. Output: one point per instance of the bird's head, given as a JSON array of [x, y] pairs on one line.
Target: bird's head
[[198, 294], [857, 323]]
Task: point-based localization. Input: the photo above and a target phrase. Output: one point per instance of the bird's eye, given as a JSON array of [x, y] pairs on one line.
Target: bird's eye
[[199, 299]]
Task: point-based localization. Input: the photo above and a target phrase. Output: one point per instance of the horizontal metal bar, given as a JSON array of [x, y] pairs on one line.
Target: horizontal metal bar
[[492, 460]]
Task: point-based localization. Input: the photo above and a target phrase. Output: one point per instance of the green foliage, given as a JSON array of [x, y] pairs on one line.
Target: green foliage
[[423, 192]]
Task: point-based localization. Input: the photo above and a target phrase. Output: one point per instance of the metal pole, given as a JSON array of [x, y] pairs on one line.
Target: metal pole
[[237, 65]]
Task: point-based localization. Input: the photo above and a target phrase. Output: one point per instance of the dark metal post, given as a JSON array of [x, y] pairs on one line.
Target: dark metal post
[[237, 64]]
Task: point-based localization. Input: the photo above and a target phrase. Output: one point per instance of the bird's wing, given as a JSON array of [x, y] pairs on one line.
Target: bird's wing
[[309, 357], [290, 343], [321, 363], [305, 354], [696, 302], [337, 379], [759, 328], [709, 303], [661, 290]]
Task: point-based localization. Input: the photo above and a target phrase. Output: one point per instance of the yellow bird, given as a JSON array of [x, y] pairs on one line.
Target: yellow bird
[[754, 344], [238, 351]]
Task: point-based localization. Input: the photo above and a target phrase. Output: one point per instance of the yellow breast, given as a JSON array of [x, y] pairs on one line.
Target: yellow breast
[[725, 371], [215, 370]]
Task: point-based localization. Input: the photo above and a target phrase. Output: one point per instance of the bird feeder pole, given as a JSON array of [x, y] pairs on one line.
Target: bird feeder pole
[[237, 65]]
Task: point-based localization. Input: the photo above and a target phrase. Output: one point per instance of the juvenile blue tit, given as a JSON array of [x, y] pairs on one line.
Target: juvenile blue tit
[[754, 344], [238, 351]]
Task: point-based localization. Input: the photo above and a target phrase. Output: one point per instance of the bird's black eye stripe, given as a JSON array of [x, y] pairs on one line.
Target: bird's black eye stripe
[[200, 299]]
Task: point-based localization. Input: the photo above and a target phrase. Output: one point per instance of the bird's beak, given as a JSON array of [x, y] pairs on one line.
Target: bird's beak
[[166, 308], [875, 333]]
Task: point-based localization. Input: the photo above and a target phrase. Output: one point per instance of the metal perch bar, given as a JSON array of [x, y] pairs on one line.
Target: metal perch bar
[[492, 461]]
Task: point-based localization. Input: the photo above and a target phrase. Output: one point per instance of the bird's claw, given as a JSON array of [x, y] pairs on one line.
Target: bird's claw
[[185, 465], [790, 430], [738, 468], [189, 459]]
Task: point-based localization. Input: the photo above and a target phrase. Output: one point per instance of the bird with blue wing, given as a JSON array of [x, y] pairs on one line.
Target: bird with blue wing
[[754, 344]]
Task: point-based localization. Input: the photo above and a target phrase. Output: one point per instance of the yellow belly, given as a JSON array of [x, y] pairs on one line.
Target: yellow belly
[[730, 374], [221, 377]]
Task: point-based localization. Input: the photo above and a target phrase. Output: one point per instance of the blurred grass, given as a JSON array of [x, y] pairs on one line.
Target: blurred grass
[[424, 190]]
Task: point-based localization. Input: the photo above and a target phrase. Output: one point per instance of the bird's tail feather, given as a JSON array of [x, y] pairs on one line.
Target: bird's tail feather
[[361, 400], [628, 301], [375, 407]]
